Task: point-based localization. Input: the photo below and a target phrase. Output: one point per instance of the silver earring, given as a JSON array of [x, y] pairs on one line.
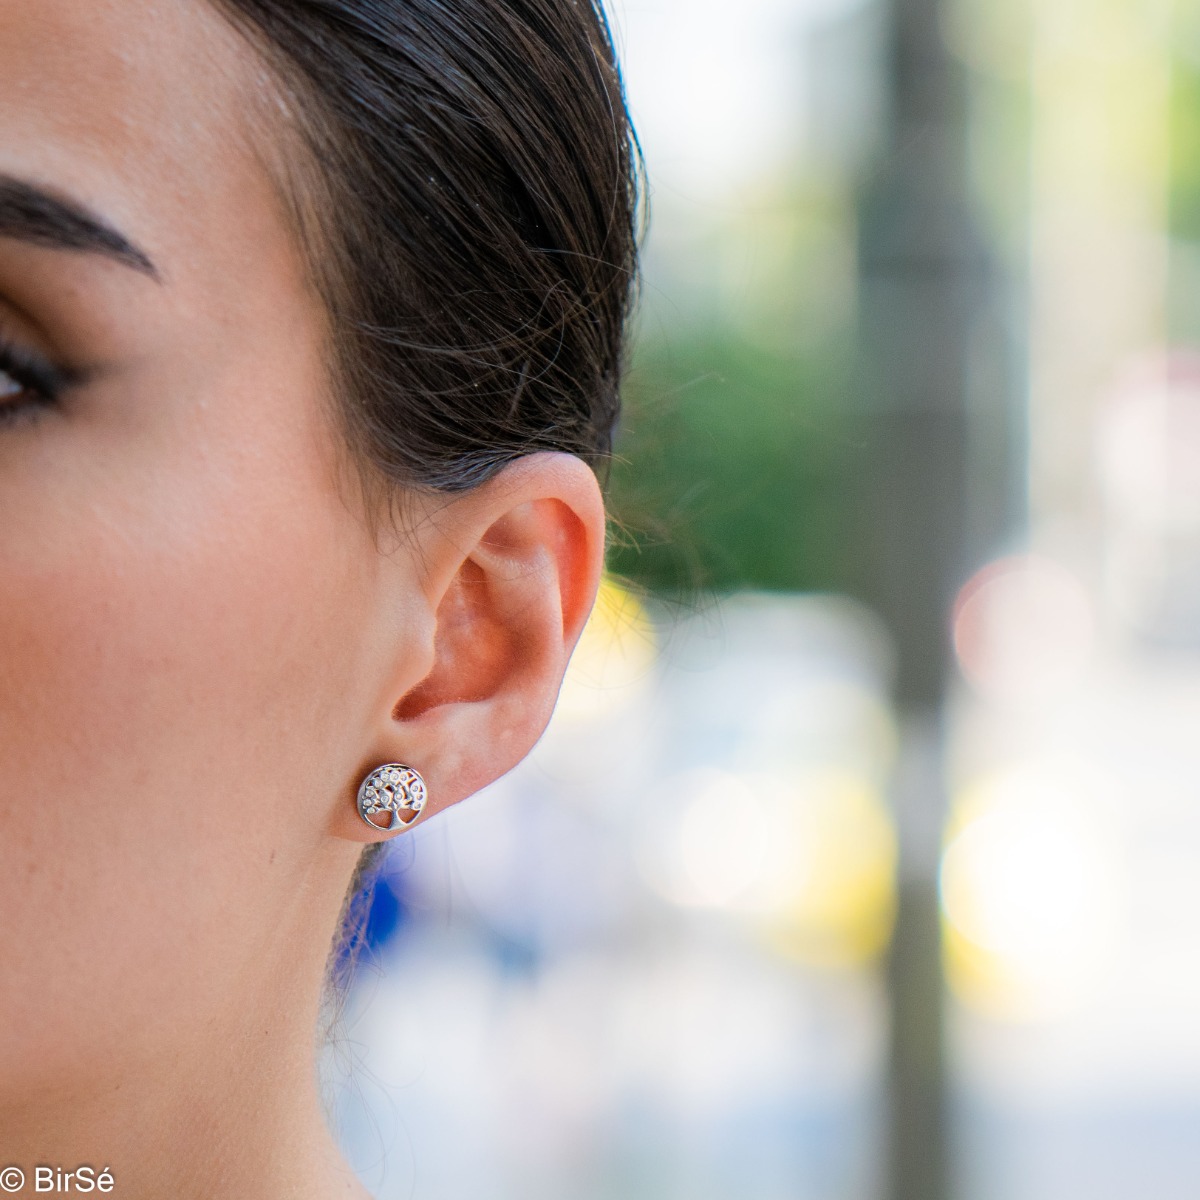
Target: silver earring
[[395, 793]]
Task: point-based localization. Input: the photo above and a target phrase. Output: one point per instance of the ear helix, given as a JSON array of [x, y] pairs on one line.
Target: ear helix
[[392, 797]]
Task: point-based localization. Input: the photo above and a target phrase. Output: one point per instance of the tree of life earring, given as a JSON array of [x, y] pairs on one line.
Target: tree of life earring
[[391, 797]]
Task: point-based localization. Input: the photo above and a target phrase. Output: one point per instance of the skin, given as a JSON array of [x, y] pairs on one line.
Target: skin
[[205, 641]]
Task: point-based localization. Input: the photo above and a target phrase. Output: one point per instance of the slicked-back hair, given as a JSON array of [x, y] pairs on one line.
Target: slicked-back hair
[[468, 202]]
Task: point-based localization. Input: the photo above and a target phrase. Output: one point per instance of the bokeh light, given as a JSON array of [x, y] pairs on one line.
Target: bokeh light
[[1024, 629], [615, 654], [1031, 891], [705, 839], [807, 857]]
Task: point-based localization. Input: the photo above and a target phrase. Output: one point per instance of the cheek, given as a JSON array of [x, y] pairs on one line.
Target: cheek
[[178, 649], [148, 657]]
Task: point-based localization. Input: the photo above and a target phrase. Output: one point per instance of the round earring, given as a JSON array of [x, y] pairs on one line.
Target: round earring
[[391, 797]]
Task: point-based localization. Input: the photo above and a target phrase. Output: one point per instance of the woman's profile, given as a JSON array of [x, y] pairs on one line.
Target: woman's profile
[[310, 339]]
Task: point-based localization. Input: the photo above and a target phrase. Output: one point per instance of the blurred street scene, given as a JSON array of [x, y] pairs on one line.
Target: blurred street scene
[[861, 860]]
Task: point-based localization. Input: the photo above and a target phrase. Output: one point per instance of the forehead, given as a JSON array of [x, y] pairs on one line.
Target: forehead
[[140, 109]]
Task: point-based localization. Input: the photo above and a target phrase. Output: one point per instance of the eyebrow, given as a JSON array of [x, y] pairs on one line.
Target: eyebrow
[[29, 214]]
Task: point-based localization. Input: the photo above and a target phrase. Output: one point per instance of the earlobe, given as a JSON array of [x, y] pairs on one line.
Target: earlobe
[[511, 573]]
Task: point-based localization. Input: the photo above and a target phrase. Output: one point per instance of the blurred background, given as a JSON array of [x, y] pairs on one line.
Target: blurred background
[[861, 860]]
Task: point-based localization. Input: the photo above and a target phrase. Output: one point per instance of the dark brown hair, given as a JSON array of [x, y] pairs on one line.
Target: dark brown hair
[[469, 205], [467, 199]]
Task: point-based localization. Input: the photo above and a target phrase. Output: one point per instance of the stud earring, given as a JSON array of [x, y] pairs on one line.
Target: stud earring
[[391, 797]]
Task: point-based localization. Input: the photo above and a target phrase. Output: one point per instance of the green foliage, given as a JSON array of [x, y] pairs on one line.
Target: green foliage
[[733, 466]]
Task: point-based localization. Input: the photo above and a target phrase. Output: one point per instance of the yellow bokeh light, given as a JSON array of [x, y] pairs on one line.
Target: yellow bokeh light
[[827, 895], [616, 652], [1030, 893], [807, 858]]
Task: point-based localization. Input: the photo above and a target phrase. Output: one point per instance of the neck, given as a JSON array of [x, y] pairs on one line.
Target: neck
[[243, 1123], [225, 1108]]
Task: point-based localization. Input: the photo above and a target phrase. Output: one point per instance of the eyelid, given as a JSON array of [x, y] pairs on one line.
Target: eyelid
[[34, 370]]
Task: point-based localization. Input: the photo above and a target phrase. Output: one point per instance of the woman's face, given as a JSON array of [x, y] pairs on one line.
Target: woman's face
[[188, 607]]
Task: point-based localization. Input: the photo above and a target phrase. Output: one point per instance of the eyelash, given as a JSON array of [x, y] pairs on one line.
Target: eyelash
[[40, 381]]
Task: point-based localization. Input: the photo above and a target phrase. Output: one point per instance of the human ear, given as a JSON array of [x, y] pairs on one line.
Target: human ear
[[510, 573]]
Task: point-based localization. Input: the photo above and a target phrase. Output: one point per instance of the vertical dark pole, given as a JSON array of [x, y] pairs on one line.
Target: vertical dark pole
[[922, 293]]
